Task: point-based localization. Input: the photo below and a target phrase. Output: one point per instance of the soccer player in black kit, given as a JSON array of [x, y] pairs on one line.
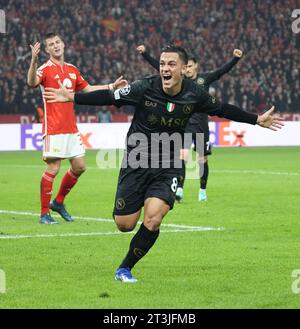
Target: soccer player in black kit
[[198, 122], [163, 104]]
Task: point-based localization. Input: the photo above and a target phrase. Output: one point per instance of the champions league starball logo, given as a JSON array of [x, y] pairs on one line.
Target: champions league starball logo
[[125, 90], [2, 21]]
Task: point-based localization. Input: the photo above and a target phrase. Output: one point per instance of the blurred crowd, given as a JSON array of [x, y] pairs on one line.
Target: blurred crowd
[[101, 39]]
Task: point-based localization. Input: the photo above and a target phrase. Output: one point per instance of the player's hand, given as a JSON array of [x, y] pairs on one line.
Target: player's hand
[[35, 50], [269, 120], [119, 83], [141, 49], [237, 53], [61, 95]]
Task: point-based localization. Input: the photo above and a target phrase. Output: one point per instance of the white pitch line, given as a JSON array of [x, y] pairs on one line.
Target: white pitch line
[[42, 167], [258, 172], [229, 171], [56, 235], [9, 237], [180, 228], [32, 214], [25, 213]]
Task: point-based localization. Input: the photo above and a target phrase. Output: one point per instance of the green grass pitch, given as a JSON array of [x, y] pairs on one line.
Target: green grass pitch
[[253, 194]]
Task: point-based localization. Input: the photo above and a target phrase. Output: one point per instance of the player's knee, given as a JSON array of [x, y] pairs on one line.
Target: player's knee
[[79, 170], [53, 169], [124, 226], [53, 172], [152, 222]]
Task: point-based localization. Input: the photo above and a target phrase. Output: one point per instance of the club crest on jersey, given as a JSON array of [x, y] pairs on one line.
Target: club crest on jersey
[[67, 83], [72, 76], [120, 203], [188, 108], [125, 90], [170, 107]]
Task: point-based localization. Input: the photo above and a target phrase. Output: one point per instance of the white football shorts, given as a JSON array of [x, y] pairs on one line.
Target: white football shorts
[[63, 146]]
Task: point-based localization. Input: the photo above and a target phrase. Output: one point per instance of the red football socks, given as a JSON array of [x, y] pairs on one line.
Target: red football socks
[[68, 181], [46, 191]]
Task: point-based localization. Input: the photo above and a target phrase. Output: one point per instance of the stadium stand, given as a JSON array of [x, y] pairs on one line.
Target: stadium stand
[[101, 37]]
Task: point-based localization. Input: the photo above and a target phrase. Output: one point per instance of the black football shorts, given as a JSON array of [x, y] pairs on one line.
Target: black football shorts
[[136, 185]]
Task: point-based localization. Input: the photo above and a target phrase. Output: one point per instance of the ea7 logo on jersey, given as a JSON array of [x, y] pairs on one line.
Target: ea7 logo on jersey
[[150, 104]]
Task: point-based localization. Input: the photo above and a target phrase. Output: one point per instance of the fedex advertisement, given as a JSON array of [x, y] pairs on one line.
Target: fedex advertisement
[[112, 135]]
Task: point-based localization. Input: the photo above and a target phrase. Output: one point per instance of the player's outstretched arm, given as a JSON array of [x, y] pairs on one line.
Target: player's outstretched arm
[[267, 120], [117, 84], [212, 106], [218, 73], [62, 95], [270, 120], [32, 78]]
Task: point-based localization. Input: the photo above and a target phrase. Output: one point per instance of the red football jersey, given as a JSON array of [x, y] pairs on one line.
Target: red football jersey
[[60, 118]]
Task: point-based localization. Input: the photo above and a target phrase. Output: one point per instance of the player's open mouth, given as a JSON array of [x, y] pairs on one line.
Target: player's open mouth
[[167, 77]]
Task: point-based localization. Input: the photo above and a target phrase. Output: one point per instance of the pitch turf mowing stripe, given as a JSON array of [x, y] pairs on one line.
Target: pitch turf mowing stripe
[[25, 213]]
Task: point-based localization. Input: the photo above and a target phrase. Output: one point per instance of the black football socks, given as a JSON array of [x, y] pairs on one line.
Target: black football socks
[[140, 244], [204, 177]]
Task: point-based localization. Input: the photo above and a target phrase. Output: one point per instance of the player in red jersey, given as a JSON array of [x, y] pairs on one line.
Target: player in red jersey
[[61, 139]]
